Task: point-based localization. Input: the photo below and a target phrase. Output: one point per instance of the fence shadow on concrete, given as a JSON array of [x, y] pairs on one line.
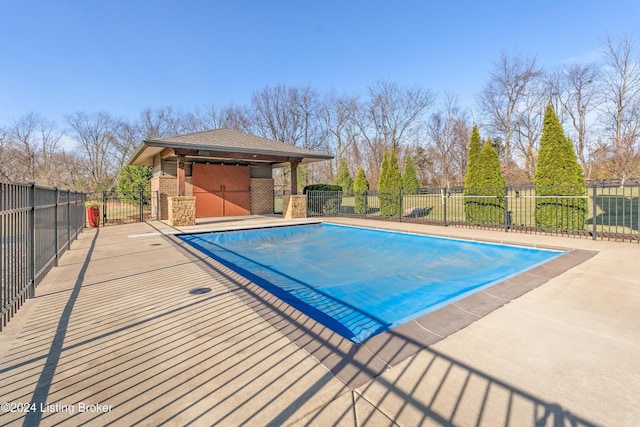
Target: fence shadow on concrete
[[134, 339]]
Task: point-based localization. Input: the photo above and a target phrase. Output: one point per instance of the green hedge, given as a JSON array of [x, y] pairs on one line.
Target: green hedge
[[321, 187]]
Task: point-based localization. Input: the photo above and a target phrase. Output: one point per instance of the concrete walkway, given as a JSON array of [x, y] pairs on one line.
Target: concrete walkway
[[114, 337]]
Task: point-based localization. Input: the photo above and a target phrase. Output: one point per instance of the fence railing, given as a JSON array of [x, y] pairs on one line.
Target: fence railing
[[595, 211], [118, 209], [37, 225]]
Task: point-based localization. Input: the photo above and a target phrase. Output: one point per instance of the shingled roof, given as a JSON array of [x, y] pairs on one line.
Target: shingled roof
[[226, 141]]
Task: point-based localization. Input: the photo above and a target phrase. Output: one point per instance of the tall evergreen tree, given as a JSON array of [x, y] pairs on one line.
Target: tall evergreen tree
[[395, 176], [383, 180], [472, 181], [390, 185], [344, 179], [473, 159], [410, 182], [558, 174], [490, 171], [492, 185], [360, 188], [394, 186]]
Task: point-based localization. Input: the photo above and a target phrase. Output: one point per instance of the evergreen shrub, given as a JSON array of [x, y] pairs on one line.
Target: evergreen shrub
[[560, 187], [360, 189], [484, 184], [390, 186]]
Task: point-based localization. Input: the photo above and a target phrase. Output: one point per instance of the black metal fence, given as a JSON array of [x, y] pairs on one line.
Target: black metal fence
[[37, 225], [595, 211], [116, 208]]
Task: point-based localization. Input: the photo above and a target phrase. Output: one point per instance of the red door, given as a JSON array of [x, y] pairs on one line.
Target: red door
[[221, 190]]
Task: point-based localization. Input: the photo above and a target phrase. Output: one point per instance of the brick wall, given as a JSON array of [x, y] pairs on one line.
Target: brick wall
[[166, 187], [261, 196]]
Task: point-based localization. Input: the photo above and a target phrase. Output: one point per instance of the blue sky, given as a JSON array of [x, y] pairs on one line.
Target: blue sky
[[63, 56]]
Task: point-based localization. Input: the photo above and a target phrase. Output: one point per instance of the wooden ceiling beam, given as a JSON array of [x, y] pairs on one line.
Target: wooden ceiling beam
[[166, 153], [240, 156], [212, 154]]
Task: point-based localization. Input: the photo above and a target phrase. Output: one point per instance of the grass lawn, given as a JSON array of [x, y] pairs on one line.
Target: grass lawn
[[118, 212], [616, 210]]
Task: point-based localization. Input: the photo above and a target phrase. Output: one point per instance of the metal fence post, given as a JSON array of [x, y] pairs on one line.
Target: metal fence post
[[104, 208], [32, 238], [400, 203], [68, 219], [141, 203], [56, 237], [638, 212], [444, 205], [594, 230], [507, 215]]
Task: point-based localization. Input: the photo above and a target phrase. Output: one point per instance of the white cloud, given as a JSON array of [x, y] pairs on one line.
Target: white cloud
[[593, 55]]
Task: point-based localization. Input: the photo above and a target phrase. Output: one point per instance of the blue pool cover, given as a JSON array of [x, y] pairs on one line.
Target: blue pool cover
[[360, 282]]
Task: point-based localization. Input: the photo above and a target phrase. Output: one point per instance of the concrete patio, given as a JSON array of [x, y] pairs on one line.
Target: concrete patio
[[115, 338]]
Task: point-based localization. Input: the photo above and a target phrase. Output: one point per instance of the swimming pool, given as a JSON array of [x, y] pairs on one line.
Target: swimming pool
[[360, 282]]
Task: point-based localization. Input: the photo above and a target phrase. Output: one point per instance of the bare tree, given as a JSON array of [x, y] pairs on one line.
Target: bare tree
[[621, 107], [97, 142], [575, 88], [161, 122], [501, 98], [23, 133], [199, 120], [5, 150], [391, 117], [528, 129], [209, 117], [127, 136], [238, 118], [32, 140], [448, 132], [341, 132], [288, 114]]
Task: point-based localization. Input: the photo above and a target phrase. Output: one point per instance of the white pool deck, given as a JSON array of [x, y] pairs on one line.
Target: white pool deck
[[115, 325]]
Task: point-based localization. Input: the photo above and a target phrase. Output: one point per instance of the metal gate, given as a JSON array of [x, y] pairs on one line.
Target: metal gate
[[116, 208]]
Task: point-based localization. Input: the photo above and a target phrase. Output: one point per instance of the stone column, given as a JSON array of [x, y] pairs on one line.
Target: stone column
[[182, 211], [295, 206]]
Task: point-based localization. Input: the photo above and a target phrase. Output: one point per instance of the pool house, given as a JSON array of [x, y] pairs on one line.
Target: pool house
[[216, 173]]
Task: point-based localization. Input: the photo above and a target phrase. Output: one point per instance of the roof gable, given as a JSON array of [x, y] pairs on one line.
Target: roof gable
[[224, 140]]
